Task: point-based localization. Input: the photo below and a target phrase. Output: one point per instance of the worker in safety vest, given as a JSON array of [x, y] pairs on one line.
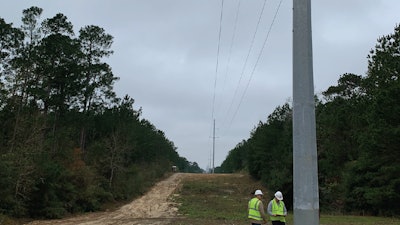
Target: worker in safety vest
[[277, 210], [256, 209]]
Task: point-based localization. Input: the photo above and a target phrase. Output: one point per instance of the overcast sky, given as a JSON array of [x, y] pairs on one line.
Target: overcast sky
[[166, 54]]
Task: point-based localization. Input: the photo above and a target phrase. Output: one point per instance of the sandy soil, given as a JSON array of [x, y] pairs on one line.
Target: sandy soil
[[155, 207]]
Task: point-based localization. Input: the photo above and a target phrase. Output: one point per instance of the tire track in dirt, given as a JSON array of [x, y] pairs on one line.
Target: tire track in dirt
[[154, 207]]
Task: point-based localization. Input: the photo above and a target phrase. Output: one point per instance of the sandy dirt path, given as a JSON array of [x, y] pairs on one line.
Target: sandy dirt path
[[155, 207]]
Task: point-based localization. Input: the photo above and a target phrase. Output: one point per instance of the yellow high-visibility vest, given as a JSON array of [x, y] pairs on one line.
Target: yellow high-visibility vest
[[278, 209], [254, 212]]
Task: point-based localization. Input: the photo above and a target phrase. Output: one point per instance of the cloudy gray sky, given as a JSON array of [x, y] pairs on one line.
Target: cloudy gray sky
[[166, 54]]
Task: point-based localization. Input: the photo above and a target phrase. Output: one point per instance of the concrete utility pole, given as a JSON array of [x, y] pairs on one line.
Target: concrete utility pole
[[305, 166]]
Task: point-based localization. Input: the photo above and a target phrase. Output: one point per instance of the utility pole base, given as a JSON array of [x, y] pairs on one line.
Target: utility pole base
[[303, 217]]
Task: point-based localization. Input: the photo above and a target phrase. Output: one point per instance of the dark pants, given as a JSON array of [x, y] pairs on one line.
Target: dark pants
[[255, 223], [277, 223]]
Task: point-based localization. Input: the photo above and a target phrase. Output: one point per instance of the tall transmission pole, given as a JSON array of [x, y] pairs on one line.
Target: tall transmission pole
[[305, 166], [213, 157]]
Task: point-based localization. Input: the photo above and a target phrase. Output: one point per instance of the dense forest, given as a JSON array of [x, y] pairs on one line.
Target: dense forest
[[358, 140], [68, 143]]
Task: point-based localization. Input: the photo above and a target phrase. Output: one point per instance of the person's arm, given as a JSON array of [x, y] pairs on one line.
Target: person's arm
[[269, 209], [262, 212], [284, 209]]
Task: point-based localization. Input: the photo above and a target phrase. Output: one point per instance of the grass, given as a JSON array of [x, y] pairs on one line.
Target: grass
[[215, 198], [222, 199], [358, 220]]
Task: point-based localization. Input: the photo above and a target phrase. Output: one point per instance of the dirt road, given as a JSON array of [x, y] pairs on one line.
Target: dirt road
[[153, 208]]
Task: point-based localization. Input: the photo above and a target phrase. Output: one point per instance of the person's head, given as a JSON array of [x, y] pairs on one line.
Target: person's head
[[258, 193], [278, 196]]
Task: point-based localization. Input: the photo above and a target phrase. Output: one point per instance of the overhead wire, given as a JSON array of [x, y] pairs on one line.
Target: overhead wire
[[258, 59], [232, 41], [216, 66], [246, 60], [230, 51]]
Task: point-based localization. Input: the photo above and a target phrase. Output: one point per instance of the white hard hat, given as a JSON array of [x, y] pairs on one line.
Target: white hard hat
[[279, 195], [258, 192]]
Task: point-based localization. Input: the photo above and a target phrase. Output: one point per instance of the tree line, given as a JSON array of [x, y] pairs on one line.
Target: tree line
[[358, 137], [68, 144]]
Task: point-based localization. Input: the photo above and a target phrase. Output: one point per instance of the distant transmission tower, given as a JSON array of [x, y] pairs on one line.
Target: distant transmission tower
[[213, 152]]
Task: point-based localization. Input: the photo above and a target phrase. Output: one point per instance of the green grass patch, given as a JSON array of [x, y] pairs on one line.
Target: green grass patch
[[222, 199], [218, 197]]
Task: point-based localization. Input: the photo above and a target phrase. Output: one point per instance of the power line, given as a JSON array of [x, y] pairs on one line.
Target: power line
[[232, 41], [258, 59], [216, 66], [246, 60], [230, 52], [245, 65]]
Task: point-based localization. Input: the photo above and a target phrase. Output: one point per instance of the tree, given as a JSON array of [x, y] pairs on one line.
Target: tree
[[30, 25], [237, 159], [97, 78], [378, 190], [10, 40], [340, 121]]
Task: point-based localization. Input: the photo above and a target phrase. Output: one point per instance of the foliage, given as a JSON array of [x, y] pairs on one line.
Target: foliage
[[68, 144]]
